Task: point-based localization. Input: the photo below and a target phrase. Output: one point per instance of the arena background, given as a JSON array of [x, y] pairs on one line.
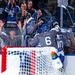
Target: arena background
[[69, 63]]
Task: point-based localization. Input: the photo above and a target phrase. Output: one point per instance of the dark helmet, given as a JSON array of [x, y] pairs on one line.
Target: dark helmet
[[39, 30], [54, 23]]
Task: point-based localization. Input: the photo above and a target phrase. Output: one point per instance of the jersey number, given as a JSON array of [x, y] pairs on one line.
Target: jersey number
[[60, 44], [48, 40]]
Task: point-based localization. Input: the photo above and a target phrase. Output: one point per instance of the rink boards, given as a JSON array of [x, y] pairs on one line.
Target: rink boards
[[69, 64]]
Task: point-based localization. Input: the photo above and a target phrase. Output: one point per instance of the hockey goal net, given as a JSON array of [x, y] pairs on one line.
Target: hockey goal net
[[30, 61]]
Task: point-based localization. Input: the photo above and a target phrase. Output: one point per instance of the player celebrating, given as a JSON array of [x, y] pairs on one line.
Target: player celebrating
[[70, 36], [30, 26], [61, 42], [46, 38]]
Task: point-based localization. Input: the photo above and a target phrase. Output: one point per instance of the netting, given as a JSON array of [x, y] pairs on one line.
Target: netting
[[30, 61]]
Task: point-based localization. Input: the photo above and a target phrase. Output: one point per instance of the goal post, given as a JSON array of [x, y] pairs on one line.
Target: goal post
[[3, 61], [30, 60]]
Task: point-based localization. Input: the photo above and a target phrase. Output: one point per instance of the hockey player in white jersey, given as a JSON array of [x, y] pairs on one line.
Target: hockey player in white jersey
[[31, 26], [61, 42], [68, 33], [46, 38]]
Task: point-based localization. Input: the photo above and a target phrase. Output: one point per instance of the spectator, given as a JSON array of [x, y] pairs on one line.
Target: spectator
[[30, 8], [12, 9], [13, 39], [2, 26], [4, 41], [72, 3], [23, 14], [2, 10]]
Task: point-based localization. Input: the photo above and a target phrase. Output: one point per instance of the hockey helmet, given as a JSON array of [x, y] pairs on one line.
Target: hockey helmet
[[39, 30], [54, 23], [45, 27]]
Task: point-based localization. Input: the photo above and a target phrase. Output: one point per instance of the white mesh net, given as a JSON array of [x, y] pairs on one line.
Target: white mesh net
[[31, 61]]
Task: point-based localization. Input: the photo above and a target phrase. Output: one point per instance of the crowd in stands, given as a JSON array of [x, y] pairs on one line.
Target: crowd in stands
[[23, 25]]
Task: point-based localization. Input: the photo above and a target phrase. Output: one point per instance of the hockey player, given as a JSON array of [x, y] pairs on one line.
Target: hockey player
[[61, 42], [33, 22], [31, 26], [46, 38], [68, 33]]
